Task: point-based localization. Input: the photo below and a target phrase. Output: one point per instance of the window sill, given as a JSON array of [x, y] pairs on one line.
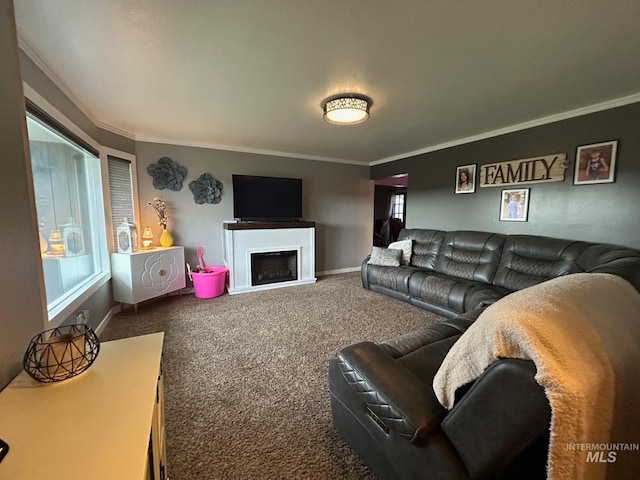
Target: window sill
[[62, 312]]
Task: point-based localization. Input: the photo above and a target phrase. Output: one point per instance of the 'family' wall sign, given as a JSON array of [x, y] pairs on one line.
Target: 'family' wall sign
[[550, 168]]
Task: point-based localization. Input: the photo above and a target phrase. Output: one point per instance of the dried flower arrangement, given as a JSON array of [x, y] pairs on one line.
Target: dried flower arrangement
[[161, 210]]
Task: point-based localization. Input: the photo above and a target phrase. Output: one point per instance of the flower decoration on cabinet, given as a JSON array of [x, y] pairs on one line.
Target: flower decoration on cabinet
[[206, 189], [167, 174], [161, 210], [160, 272]]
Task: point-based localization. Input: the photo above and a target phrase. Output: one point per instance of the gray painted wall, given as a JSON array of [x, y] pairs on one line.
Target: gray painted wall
[[338, 197], [42, 84], [601, 212], [21, 292]]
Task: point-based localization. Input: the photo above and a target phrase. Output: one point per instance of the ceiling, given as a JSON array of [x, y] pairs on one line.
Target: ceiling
[[251, 75]]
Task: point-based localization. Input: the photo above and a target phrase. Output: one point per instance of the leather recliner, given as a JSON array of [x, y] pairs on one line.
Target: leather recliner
[[382, 399], [384, 406]]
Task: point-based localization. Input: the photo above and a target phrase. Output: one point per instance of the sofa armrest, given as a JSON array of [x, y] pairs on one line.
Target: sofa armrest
[[410, 342], [395, 398], [627, 268], [364, 273], [502, 413]]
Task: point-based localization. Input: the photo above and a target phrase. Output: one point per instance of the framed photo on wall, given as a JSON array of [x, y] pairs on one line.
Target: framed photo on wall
[[514, 205], [466, 179], [595, 163]]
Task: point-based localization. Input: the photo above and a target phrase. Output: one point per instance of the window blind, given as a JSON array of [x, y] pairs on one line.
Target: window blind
[[120, 189]]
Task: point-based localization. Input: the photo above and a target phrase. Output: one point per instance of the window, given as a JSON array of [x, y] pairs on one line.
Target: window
[[120, 192], [68, 193], [397, 210]]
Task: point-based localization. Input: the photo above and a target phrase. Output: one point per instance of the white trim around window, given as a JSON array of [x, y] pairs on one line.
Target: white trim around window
[[70, 301]]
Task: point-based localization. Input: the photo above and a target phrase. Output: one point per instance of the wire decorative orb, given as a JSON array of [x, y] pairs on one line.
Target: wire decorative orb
[[60, 353]]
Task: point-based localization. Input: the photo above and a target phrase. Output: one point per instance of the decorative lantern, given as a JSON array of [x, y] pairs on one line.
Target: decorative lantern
[[127, 236], [73, 238], [147, 238], [56, 245]]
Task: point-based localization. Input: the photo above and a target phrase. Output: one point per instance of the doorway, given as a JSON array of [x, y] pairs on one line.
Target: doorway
[[389, 208]]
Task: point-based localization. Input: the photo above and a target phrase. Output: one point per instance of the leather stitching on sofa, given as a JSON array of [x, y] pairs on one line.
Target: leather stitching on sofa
[[470, 255], [436, 289], [379, 406]]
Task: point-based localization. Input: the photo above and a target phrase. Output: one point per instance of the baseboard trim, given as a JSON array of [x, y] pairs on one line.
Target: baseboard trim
[[338, 271], [105, 321]]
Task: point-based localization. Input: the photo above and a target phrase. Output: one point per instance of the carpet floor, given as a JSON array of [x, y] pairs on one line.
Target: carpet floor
[[246, 391]]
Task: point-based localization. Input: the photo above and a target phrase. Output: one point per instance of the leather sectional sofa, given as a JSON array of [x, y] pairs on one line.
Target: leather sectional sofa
[[451, 273], [382, 400]]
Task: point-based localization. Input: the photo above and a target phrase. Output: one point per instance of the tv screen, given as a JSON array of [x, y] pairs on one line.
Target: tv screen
[[267, 199]]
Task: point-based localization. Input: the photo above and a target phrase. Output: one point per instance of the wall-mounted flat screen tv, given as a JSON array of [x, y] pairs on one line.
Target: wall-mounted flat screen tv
[[267, 199]]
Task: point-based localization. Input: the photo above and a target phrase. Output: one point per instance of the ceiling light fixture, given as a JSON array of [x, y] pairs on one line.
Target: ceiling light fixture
[[346, 110]]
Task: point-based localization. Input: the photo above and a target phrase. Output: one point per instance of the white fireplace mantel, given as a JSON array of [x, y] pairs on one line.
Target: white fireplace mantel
[[241, 239]]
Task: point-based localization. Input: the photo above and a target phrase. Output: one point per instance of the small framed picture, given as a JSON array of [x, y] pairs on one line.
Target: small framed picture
[[596, 163], [514, 205], [466, 179]]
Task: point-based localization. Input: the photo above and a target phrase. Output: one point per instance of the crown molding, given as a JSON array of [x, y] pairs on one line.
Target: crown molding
[[598, 107], [42, 65], [39, 100], [55, 79], [256, 151]]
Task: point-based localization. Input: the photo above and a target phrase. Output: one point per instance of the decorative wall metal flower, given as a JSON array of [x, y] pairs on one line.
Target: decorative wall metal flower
[[206, 189], [167, 174]]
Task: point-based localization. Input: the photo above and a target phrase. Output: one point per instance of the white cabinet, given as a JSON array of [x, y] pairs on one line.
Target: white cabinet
[[61, 274], [147, 274], [100, 425]]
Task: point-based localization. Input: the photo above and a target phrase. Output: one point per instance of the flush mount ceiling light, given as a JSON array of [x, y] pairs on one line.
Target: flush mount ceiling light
[[346, 110]]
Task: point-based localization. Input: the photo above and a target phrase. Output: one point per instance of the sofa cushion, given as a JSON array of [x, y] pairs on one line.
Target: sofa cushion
[[433, 287], [426, 245], [386, 257], [528, 260], [406, 246], [470, 255], [481, 296], [393, 278], [456, 295]]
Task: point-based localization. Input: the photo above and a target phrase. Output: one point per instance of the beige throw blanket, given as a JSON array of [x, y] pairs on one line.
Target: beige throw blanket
[[582, 331]]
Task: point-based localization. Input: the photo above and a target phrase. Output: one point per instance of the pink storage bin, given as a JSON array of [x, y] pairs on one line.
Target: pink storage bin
[[211, 283]]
